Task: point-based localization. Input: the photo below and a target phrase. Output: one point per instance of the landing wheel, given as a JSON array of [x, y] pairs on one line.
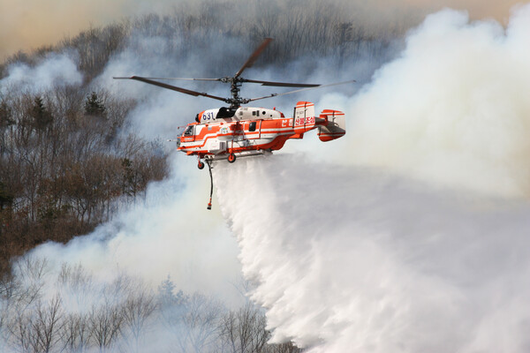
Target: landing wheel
[[231, 158], [200, 165]]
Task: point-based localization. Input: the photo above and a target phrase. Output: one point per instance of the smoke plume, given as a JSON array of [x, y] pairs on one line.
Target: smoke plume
[[55, 70], [451, 108]]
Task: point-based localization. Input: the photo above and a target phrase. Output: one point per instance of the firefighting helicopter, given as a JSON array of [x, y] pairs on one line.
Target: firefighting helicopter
[[236, 131]]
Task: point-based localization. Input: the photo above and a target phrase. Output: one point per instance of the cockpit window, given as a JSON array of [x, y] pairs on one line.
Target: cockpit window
[[189, 131], [225, 112]]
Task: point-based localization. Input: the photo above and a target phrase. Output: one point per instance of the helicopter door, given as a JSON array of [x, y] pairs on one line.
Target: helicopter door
[[253, 129]]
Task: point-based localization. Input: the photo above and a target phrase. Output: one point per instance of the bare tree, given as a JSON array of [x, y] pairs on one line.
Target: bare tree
[[137, 310], [244, 330], [37, 330], [105, 323], [29, 276], [75, 335], [47, 324], [20, 333], [192, 321]]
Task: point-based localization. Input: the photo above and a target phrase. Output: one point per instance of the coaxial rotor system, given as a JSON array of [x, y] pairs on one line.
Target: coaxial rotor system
[[235, 82]]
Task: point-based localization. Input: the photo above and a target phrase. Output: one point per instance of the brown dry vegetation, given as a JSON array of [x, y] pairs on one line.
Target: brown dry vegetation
[[64, 166]]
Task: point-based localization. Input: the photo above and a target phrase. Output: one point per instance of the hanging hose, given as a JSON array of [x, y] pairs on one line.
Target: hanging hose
[[211, 183]]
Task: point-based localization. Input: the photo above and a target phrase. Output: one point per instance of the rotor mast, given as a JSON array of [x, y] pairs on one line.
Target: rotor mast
[[236, 81], [235, 87]]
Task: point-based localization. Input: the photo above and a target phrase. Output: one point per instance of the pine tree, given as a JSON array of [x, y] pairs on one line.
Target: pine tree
[[94, 106], [41, 116], [6, 198], [5, 115]]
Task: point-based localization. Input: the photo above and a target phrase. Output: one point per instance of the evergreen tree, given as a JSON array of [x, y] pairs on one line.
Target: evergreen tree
[[6, 114], [41, 116], [94, 106], [6, 198]]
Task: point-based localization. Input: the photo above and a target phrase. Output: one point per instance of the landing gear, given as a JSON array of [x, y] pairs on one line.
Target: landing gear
[[200, 165], [231, 158]]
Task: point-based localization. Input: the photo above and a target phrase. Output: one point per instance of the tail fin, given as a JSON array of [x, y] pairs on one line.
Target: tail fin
[[335, 126], [303, 119], [304, 114]]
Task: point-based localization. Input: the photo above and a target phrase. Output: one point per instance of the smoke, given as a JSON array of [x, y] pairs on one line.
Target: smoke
[[450, 109], [411, 237], [161, 234], [414, 236], [55, 70], [30, 24]]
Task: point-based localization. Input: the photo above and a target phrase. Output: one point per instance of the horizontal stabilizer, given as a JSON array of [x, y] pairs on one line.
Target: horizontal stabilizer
[[335, 126]]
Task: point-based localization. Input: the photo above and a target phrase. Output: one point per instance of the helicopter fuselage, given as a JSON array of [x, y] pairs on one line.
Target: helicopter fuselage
[[218, 133]]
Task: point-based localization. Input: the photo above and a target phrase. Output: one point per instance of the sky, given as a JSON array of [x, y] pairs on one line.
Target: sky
[[29, 24]]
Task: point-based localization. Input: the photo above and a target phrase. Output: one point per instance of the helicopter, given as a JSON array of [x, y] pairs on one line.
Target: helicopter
[[237, 131]]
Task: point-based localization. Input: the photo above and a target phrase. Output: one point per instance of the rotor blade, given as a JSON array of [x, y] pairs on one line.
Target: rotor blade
[[282, 84], [174, 88], [179, 78], [252, 59], [299, 90]]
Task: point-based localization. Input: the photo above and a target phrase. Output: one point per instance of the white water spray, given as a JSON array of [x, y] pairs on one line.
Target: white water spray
[[349, 258], [367, 258]]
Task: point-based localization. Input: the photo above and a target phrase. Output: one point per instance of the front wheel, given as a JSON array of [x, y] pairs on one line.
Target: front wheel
[[231, 158], [200, 165]]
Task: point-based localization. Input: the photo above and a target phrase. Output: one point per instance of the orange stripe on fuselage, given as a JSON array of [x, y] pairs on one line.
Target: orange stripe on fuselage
[[281, 128]]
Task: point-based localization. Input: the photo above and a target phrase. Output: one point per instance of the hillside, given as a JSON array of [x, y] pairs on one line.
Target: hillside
[[68, 160]]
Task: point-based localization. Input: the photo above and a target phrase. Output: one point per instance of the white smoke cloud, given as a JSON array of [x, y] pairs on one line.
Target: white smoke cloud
[[55, 70], [451, 109]]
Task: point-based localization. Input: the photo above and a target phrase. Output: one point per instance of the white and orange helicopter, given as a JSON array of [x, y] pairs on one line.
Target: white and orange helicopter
[[236, 131]]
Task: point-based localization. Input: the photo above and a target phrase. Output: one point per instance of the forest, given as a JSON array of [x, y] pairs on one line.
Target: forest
[[121, 316], [69, 161]]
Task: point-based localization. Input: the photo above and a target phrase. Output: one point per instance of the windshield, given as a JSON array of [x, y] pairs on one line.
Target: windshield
[[188, 131]]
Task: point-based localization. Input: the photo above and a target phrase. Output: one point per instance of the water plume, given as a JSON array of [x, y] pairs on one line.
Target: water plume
[[357, 258], [414, 236]]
